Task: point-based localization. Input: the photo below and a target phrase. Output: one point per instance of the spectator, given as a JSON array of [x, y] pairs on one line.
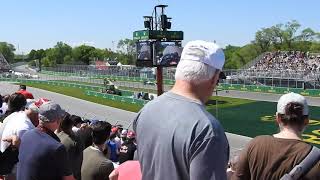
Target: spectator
[[20, 123], [123, 136], [41, 155], [128, 148], [128, 170], [72, 144], [77, 123], [114, 150], [1, 103], [95, 165], [16, 103], [23, 91], [16, 123], [270, 157], [84, 135], [177, 138], [4, 106], [232, 166]]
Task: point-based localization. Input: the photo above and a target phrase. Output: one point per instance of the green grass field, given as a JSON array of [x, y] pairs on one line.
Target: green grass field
[[238, 116], [252, 118]]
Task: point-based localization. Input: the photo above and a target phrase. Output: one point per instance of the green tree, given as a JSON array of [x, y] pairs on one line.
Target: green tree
[[84, 54], [244, 55], [32, 55], [228, 52], [126, 46], [307, 35], [7, 51], [61, 50], [315, 47]]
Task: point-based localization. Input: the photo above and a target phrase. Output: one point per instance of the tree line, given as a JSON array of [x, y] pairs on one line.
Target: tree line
[[63, 53], [286, 37]]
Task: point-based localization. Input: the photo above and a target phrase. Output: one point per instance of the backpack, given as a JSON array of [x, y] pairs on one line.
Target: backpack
[[304, 167]]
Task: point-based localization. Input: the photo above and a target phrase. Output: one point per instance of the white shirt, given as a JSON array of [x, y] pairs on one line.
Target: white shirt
[[3, 108], [17, 124], [75, 129]]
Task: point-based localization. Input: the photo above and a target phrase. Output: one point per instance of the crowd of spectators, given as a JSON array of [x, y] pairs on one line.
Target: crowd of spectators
[[39, 140], [291, 61]]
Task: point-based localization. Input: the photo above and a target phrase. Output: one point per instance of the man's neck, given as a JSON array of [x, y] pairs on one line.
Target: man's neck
[[189, 91], [99, 146], [287, 133]]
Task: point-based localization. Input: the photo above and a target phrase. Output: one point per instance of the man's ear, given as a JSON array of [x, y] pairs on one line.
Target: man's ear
[[278, 119], [306, 121]]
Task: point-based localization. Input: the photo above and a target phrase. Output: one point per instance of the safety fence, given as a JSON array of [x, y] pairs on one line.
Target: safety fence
[[89, 89], [112, 77], [269, 89]]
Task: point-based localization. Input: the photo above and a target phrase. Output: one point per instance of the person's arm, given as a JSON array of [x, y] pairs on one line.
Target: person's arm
[[13, 140], [114, 175], [106, 168], [64, 164], [209, 159], [242, 170]]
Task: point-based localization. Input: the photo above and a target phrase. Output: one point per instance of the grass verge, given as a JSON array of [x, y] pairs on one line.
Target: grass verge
[[80, 93]]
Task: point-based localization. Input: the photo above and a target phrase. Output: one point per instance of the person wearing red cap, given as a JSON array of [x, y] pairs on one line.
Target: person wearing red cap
[[128, 148], [23, 90]]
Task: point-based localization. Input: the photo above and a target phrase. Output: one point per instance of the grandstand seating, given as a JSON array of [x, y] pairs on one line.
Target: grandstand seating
[[4, 65]]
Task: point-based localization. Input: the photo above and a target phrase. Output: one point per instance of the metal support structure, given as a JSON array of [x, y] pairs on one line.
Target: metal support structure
[[159, 80]]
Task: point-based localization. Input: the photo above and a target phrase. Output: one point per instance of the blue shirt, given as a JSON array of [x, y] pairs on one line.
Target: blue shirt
[[41, 156], [113, 148]]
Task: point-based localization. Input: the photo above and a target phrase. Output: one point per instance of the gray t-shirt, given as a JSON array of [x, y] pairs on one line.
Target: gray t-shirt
[[95, 165], [179, 140]]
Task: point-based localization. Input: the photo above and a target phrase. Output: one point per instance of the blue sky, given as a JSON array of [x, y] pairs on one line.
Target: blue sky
[[35, 24]]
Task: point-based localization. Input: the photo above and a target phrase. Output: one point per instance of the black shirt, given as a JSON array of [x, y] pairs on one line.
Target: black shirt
[[127, 152]]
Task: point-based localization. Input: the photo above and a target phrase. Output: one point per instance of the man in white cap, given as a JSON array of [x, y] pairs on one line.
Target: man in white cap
[[177, 138], [41, 155]]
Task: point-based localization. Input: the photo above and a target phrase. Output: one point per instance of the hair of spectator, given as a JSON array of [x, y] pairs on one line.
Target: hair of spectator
[[65, 124], [6, 98], [100, 132], [293, 114], [194, 71], [113, 135], [16, 102], [22, 86], [76, 119]]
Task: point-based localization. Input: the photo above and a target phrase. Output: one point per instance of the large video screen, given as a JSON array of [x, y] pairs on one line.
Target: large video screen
[[167, 53], [144, 54]]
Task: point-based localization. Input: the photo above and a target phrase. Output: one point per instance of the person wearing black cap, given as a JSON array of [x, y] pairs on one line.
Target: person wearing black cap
[[42, 156]]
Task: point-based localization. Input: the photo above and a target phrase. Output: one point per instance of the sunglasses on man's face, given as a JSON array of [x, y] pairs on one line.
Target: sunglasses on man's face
[[221, 76]]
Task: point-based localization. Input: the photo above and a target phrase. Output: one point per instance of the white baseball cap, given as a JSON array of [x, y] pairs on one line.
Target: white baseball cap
[[206, 52], [289, 98], [31, 105]]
